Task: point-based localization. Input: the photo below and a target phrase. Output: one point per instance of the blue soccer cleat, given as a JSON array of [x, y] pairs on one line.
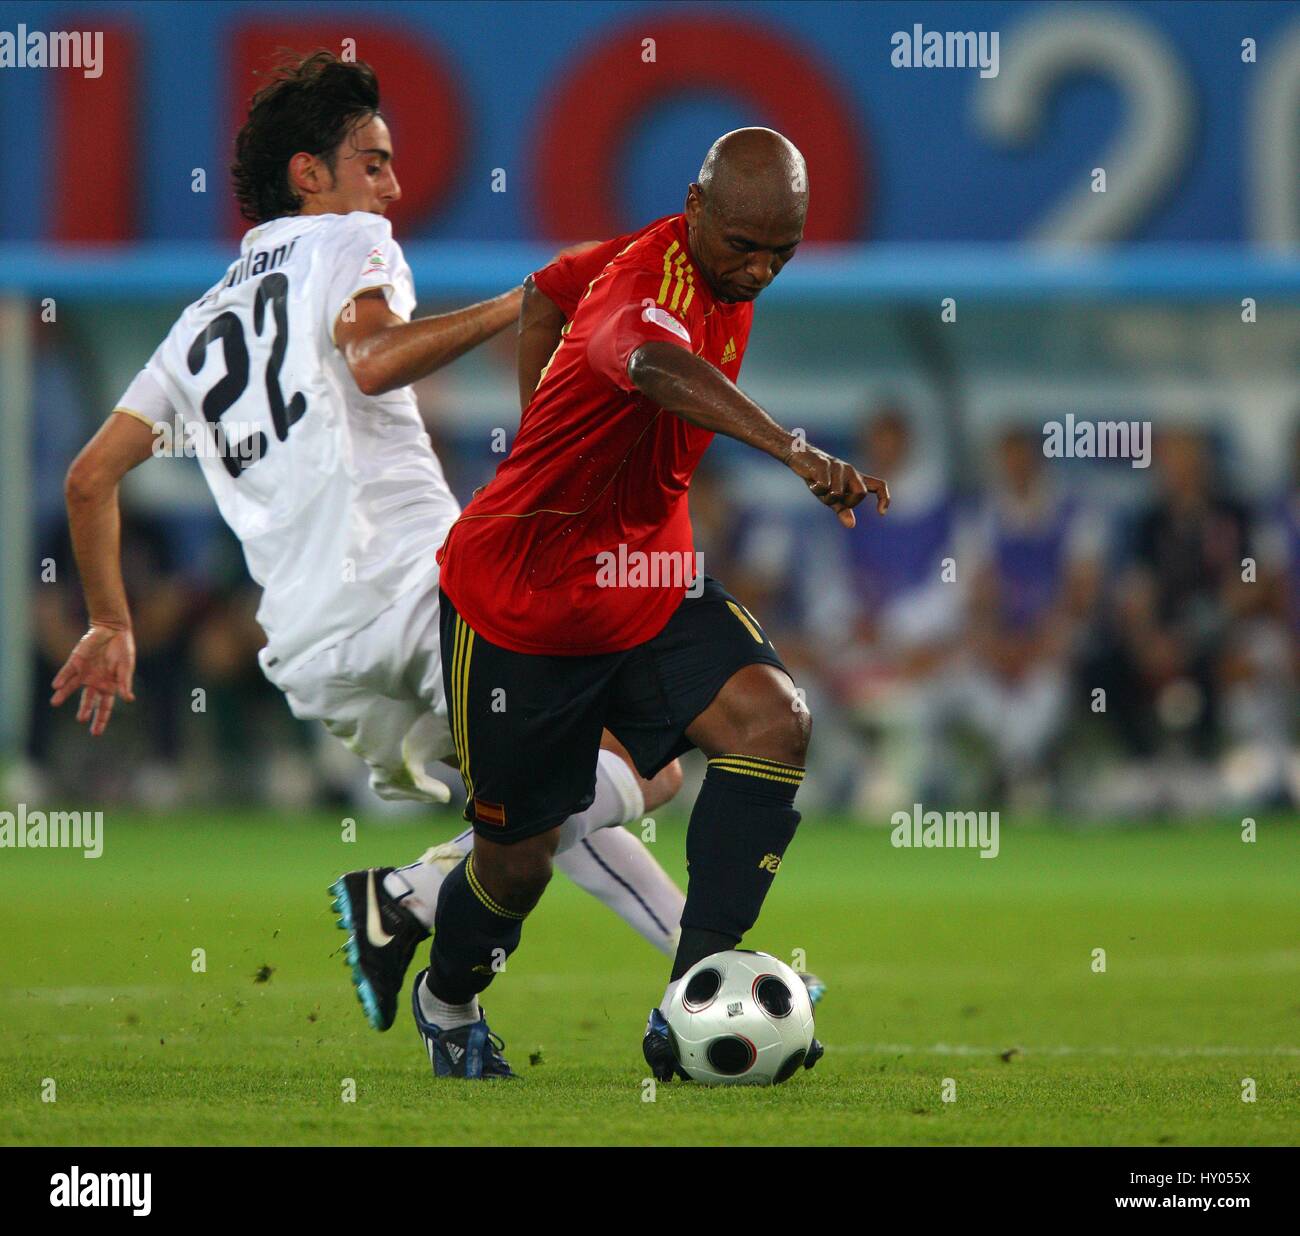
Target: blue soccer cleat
[[472, 1051], [659, 1049], [816, 988], [661, 1052]]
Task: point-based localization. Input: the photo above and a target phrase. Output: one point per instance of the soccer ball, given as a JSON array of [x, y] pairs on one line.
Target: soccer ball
[[740, 1018]]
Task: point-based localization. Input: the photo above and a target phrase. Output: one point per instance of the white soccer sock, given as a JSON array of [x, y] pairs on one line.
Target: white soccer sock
[[618, 800], [417, 887], [446, 1016], [615, 866]]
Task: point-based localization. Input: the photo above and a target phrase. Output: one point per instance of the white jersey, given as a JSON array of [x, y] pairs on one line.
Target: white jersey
[[337, 497]]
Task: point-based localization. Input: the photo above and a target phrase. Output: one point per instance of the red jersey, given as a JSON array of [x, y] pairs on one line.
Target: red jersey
[[581, 544]]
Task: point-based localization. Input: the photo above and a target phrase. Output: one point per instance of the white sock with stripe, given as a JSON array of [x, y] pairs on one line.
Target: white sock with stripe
[[617, 868]]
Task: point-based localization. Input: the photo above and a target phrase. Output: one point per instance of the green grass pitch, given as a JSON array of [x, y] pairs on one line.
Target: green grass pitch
[[938, 963]]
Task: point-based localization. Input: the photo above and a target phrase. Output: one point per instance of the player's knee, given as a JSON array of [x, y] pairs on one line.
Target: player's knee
[[759, 712], [778, 729], [516, 875], [525, 876], [665, 785], [787, 733]]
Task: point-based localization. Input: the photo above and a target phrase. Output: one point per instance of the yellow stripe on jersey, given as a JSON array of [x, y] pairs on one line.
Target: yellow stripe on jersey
[[680, 277], [684, 275], [668, 272]]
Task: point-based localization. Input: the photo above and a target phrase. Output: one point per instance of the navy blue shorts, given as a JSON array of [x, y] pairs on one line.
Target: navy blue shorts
[[527, 728]]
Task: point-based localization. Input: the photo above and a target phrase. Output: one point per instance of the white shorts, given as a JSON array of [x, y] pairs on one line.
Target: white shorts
[[380, 691]]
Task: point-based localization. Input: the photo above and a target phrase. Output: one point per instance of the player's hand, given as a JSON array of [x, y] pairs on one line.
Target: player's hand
[[101, 668], [838, 484]]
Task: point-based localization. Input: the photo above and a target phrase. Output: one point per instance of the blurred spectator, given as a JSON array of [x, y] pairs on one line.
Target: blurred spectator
[[1182, 618], [774, 560], [1261, 667], [160, 605], [889, 616], [1033, 559], [753, 551], [242, 708]]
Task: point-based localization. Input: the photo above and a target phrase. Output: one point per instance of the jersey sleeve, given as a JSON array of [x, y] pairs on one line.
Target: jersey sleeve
[[567, 279], [632, 313], [366, 258], [146, 399]]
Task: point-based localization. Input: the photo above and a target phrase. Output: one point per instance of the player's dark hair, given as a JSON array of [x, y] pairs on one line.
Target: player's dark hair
[[311, 104]]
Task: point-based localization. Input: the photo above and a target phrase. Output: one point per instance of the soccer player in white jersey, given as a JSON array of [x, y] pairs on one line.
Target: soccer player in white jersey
[[294, 370]]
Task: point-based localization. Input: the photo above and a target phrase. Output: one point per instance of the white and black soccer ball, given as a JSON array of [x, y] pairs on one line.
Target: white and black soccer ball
[[740, 1018]]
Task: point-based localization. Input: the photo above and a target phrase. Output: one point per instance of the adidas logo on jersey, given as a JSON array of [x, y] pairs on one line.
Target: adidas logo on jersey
[[729, 352]]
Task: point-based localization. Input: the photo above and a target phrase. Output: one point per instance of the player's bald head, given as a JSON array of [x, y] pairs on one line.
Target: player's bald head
[[755, 172], [745, 213]]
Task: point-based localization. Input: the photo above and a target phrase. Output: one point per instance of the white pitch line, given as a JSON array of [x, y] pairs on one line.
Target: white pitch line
[[969, 1049]]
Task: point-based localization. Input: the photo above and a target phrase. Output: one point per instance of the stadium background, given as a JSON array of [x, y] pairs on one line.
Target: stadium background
[[519, 127]]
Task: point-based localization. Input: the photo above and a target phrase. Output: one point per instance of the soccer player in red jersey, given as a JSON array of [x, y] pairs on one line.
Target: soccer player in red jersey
[[573, 601]]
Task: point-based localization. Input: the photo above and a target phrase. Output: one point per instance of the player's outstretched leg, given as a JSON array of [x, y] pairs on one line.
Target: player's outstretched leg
[[621, 797], [755, 735], [480, 917], [622, 874], [383, 937]]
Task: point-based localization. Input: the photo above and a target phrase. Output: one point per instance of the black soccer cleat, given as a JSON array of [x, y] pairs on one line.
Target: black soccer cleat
[[659, 1049], [384, 938], [472, 1052], [815, 1052]]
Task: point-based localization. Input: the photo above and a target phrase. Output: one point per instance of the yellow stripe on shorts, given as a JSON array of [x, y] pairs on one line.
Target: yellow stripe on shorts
[[751, 625]]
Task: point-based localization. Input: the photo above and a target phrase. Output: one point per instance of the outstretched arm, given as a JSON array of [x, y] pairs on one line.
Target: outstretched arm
[[385, 353], [544, 313], [688, 386], [103, 662]]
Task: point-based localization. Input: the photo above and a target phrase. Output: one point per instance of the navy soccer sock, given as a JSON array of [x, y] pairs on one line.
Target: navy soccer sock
[[743, 819], [472, 937]]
